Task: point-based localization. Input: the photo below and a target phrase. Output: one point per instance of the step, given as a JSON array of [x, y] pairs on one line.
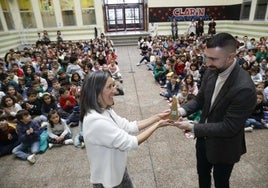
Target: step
[[126, 38]]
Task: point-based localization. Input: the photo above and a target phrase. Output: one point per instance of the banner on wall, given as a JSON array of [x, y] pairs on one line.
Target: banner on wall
[[166, 14]]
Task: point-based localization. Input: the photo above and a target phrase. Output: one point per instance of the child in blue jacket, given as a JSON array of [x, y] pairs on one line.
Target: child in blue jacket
[[29, 134]]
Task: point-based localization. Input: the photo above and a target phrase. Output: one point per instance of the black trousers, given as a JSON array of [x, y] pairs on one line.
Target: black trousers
[[221, 172]]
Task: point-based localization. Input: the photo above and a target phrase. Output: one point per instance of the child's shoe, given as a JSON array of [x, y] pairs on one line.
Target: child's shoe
[[50, 145], [31, 158], [68, 141], [248, 129], [82, 144]]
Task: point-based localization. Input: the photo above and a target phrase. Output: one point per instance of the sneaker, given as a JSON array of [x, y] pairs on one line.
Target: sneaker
[[164, 86], [82, 144], [138, 64], [31, 158], [68, 141], [248, 129], [266, 125], [50, 145]]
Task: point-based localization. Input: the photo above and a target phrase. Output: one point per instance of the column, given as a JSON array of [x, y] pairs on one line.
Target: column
[[3, 20], [252, 10], [15, 12], [37, 14], [78, 13], [58, 13]]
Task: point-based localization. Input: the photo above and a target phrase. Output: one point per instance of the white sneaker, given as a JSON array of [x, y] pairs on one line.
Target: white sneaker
[[50, 145], [248, 129], [68, 141], [31, 158], [266, 125], [82, 144]]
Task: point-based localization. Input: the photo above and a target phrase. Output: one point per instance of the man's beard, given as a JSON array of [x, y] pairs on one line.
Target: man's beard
[[217, 70]]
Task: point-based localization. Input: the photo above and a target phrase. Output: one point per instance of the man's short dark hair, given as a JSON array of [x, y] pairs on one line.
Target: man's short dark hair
[[222, 40]]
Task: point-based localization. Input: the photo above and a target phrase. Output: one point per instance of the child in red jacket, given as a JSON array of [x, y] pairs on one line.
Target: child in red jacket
[[66, 100]]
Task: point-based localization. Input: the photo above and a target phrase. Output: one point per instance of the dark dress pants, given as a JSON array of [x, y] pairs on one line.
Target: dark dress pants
[[221, 172]]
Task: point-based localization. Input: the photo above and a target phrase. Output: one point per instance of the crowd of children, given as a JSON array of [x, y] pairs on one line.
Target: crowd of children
[[40, 91], [178, 66], [40, 86]]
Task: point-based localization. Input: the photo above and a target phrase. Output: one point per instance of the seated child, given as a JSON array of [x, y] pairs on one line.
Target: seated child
[[49, 103], [182, 95], [29, 133], [8, 136], [115, 71], [10, 107], [58, 131], [33, 105], [73, 119], [66, 100], [172, 88], [160, 72], [256, 119]]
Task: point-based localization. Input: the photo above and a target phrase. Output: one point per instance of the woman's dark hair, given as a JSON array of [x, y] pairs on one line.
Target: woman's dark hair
[[91, 89], [49, 116]]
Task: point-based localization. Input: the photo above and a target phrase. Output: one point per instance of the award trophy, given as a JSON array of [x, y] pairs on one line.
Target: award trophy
[[174, 109]]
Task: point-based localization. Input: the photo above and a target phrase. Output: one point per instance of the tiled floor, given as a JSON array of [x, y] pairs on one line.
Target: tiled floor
[[165, 160]]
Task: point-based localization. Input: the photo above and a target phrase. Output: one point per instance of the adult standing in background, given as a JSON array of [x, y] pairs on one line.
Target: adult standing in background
[[200, 27], [227, 97], [192, 28], [153, 27], [212, 27], [108, 136], [174, 28]]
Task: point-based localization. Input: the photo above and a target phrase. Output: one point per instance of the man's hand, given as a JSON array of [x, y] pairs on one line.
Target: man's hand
[[184, 124]]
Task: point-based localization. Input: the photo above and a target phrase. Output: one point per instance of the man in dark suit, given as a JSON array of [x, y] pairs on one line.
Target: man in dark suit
[[227, 97]]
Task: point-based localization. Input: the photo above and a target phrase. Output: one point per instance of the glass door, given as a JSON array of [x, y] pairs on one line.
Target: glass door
[[124, 17]]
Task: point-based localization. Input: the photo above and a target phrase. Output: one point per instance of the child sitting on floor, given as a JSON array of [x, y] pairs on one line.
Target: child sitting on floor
[[58, 131], [256, 119], [8, 136], [29, 133]]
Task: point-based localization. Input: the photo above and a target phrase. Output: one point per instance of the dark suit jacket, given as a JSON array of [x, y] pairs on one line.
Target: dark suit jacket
[[224, 130]]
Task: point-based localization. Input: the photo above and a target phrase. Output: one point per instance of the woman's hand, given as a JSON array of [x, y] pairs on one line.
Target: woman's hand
[[166, 122], [164, 114]]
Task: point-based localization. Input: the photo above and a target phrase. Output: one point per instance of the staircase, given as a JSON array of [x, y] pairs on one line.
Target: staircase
[[126, 38]]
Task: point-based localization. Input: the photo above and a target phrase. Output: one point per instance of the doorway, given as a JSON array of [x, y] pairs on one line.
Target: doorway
[[124, 17]]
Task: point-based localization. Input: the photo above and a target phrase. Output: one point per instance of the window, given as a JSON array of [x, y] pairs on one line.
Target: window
[[246, 6], [68, 15], [261, 9], [7, 14], [26, 13], [88, 12], [47, 12]]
